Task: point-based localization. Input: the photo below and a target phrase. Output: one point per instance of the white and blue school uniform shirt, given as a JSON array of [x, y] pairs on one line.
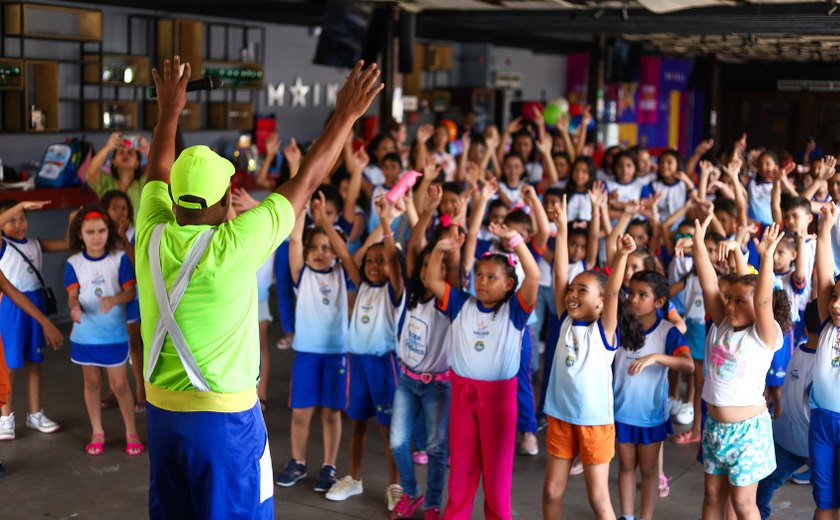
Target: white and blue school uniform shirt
[[674, 196], [373, 174], [824, 392], [627, 191], [265, 275], [374, 323], [424, 344], [580, 387], [695, 308], [579, 206], [486, 342], [512, 192], [19, 273], [534, 172], [760, 196], [642, 399], [95, 278], [790, 430], [321, 311]]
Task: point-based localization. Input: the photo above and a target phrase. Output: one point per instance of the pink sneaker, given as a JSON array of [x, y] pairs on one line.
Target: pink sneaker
[[432, 514], [420, 457], [406, 506]]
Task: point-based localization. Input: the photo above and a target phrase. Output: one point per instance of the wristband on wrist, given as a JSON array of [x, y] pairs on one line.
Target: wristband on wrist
[[514, 241], [388, 234]]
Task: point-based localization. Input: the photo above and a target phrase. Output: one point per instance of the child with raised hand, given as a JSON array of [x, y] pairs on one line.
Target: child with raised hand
[[371, 342], [672, 183], [22, 336], [127, 172], [100, 282], [321, 269], [579, 400], [512, 180], [582, 177], [823, 438], [737, 438], [487, 335], [640, 370], [423, 389]]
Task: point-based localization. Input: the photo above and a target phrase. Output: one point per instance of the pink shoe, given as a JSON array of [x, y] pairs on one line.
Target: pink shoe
[[406, 506], [432, 514], [420, 457]]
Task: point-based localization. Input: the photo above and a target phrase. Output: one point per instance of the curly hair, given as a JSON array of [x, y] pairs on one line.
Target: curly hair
[[781, 303], [77, 245], [630, 331], [109, 197], [415, 289]]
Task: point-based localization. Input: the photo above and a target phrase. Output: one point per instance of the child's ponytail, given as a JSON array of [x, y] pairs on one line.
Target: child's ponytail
[[781, 309], [632, 335]]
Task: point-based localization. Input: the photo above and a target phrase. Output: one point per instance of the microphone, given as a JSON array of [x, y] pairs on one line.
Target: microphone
[[205, 83]]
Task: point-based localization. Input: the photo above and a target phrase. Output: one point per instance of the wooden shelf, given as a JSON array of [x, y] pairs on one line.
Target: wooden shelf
[[232, 116], [8, 79], [122, 115], [112, 64], [181, 37], [40, 89], [190, 118], [35, 21]]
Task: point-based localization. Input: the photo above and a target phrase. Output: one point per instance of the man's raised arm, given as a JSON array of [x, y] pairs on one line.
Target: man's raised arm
[[171, 98], [352, 102]]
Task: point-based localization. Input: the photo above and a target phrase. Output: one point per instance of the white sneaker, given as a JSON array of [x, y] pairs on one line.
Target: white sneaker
[[674, 406], [39, 421], [393, 494], [7, 427], [344, 489], [685, 415]]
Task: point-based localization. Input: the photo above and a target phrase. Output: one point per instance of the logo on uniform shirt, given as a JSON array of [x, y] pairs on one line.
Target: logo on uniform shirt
[[571, 350], [98, 292], [482, 329], [479, 346], [366, 307], [325, 291], [794, 374]]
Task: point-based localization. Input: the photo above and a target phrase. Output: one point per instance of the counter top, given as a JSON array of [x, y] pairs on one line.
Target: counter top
[[61, 197]]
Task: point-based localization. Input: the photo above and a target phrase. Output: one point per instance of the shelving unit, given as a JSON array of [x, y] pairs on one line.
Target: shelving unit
[[111, 85]]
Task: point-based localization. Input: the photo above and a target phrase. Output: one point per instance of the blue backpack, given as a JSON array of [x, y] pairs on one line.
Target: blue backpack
[[61, 164]]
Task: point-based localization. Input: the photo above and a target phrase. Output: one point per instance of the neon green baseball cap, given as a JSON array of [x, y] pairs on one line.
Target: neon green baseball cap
[[201, 173]]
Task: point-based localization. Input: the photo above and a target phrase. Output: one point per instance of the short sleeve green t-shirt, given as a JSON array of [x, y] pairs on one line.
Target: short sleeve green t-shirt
[[218, 313], [107, 182]]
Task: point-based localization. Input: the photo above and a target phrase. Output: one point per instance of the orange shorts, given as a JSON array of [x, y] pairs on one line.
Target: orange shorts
[[596, 444]]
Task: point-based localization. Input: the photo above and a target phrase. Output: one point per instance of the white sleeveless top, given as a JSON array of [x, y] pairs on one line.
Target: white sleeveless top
[[19, 273], [321, 311]]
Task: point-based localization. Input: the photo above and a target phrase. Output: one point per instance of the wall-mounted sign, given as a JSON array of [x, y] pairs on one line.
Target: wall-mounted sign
[[301, 94]]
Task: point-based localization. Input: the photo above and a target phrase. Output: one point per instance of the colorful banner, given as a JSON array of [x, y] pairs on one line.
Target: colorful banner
[[648, 89]]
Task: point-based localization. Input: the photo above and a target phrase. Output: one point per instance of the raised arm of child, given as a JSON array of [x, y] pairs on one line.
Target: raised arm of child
[[825, 261], [630, 209], [272, 147], [550, 176], [296, 253], [395, 274], [512, 127], [699, 151], [434, 279], [94, 171], [466, 141], [561, 255], [609, 315], [20, 207], [542, 224], [491, 138], [800, 267], [531, 283], [597, 194], [417, 240], [765, 321], [320, 219], [712, 298], [731, 249], [706, 169], [468, 255], [53, 246], [732, 170], [52, 335]]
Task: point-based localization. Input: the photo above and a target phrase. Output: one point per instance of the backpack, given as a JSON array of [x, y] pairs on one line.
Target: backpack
[[64, 164]]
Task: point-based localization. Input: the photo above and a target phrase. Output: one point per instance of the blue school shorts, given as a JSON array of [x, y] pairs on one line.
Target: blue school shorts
[[373, 381], [743, 450], [107, 355], [824, 450], [319, 380], [209, 465], [23, 337], [627, 433], [132, 311], [781, 359]]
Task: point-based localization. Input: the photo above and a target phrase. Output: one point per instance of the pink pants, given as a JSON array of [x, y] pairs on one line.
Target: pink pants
[[482, 436]]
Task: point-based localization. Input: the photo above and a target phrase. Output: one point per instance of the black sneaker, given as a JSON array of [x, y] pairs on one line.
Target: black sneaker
[[326, 479], [293, 472]]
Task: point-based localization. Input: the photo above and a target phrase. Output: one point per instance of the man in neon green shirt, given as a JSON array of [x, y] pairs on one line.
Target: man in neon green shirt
[[196, 273]]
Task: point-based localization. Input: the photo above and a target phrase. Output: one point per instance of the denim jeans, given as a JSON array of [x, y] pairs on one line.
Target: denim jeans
[[786, 465], [432, 401]]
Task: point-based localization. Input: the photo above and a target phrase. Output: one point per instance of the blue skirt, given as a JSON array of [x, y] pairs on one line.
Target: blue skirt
[[626, 433], [108, 355]]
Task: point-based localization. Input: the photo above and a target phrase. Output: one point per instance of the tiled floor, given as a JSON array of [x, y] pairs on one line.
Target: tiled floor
[[49, 476]]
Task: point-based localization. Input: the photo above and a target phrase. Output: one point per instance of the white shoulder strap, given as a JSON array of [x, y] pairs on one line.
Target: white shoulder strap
[[167, 303]]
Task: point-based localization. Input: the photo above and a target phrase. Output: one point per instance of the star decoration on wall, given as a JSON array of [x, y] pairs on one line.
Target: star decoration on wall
[[298, 91]]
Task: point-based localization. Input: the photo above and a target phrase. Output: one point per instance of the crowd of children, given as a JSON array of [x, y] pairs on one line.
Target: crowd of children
[[633, 276]]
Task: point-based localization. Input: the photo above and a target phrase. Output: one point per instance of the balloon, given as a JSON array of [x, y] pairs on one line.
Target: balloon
[[575, 109], [561, 102], [530, 109], [451, 128], [551, 115]]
